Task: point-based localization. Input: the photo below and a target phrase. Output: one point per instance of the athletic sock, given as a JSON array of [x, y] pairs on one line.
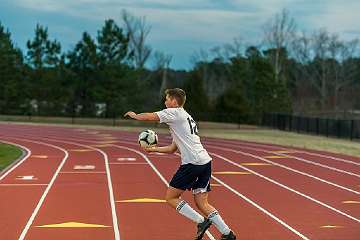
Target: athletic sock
[[184, 209], [219, 223]]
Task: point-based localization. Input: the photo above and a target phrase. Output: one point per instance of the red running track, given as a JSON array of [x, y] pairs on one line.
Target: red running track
[[97, 184]]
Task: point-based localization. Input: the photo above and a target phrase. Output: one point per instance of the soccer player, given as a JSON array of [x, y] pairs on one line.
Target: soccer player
[[195, 170]]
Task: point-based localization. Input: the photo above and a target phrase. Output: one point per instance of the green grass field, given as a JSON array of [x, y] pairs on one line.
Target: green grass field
[[8, 154]]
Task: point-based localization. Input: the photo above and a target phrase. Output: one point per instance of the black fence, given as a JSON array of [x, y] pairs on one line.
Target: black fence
[[339, 128]]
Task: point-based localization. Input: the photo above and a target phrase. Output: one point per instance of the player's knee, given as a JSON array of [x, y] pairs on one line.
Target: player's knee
[[169, 198], [201, 204]]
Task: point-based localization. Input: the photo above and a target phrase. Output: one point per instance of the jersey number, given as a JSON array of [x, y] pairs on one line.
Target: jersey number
[[193, 126]]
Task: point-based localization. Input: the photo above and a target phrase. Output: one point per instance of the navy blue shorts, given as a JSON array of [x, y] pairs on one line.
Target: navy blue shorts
[[192, 177]]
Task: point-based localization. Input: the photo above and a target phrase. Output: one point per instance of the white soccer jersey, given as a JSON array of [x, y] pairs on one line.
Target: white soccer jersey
[[185, 134]]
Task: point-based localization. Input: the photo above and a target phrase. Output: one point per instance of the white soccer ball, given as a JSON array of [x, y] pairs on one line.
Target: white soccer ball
[[148, 138]]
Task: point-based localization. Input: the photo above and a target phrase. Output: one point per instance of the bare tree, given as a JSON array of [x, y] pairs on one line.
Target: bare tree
[[327, 62], [279, 33], [138, 31], [311, 52], [162, 63], [345, 69]]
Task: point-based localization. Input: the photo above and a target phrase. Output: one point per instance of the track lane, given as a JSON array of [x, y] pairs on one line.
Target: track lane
[[133, 137], [15, 192]]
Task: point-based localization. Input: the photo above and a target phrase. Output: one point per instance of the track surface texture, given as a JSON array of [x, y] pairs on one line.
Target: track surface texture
[[77, 183]]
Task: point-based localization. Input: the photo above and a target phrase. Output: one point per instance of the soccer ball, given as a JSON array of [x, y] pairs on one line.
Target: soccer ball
[[148, 138]]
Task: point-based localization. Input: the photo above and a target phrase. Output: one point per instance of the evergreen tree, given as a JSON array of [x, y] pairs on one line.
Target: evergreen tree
[[12, 90]]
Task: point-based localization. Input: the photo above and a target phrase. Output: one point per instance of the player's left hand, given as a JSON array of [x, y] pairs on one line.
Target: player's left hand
[[130, 114], [150, 149]]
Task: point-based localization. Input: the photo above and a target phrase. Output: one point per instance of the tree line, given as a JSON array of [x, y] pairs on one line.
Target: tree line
[[107, 74]]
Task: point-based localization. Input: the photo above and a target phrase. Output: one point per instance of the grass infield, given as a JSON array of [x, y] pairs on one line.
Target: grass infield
[[8, 154]]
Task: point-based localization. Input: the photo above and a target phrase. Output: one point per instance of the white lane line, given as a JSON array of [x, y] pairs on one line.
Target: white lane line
[[287, 168], [261, 209], [211, 237], [259, 145], [28, 153], [157, 172], [331, 157], [298, 159], [288, 188], [108, 174], [42, 199], [225, 185]]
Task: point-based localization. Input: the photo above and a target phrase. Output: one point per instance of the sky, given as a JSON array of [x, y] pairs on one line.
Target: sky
[[179, 28]]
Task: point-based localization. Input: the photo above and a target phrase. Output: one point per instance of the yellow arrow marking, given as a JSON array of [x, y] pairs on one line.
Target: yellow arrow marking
[[39, 156], [72, 225], [143, 200], [331, 226], [351, 202], [232, 173], [256, 164], [275, 156]]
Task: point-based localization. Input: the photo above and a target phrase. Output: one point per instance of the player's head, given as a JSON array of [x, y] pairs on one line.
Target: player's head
[[175, 97]]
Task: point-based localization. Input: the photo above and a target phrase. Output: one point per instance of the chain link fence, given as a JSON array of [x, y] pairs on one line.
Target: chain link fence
[[340, 128]]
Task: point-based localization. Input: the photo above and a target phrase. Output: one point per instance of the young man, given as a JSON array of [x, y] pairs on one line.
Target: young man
[[195, 170]]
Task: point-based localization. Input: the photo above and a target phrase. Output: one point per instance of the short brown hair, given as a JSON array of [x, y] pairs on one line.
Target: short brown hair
[[178, 94]]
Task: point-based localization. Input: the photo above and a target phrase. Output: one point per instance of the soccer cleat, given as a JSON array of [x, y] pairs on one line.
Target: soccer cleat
[[201, 228], [230, 236]]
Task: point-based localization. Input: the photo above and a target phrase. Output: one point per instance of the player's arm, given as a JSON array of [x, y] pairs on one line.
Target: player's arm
[[143, 116], [165, 149]]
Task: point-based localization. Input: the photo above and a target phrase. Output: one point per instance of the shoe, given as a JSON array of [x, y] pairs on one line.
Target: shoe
[[201, 228], [230, 236]]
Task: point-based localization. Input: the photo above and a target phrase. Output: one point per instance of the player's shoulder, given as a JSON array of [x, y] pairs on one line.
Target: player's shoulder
[[174, 110]]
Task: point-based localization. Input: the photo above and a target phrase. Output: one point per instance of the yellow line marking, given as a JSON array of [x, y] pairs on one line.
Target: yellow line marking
[[108, 142], [73, 225], [351, 202], [93, 132], [256, 164], [331, 226], [283, 151], [143, 200], [81, 150], [232, 173], [275, 156], [215, 185], [101, 145], [39, 156]]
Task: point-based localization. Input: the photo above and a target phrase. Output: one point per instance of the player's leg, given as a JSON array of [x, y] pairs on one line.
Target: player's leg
[[172, 196], [201, 200], [201, 191], [182, 180]]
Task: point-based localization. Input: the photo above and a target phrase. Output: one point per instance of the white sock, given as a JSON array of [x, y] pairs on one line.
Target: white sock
[[219, 223], [184, 209]]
